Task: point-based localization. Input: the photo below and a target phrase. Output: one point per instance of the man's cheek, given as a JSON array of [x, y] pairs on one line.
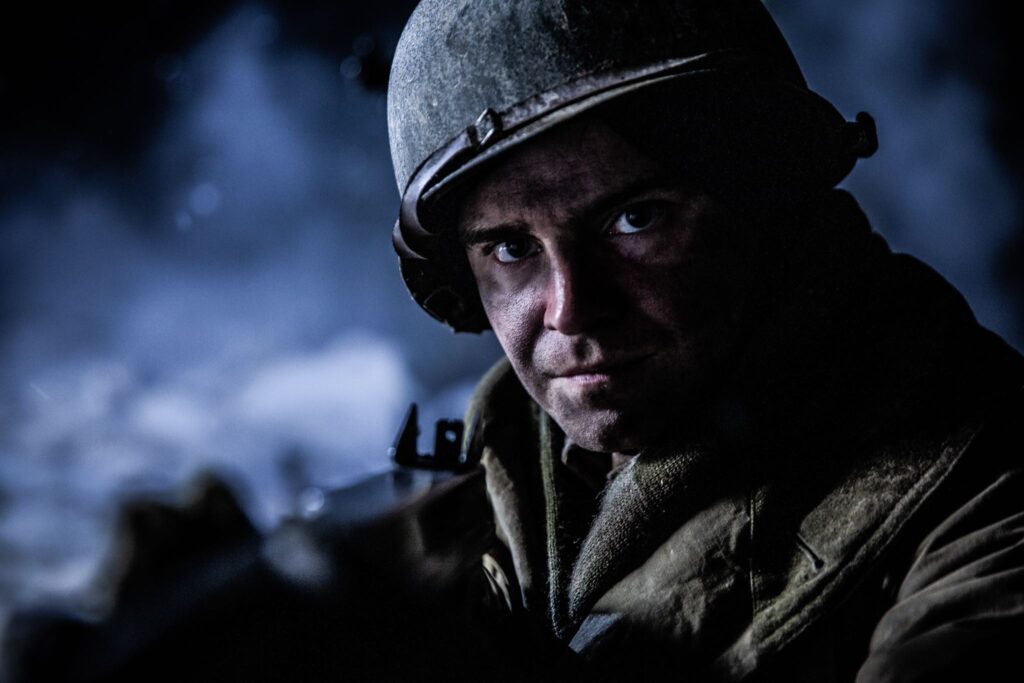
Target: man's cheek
[[510, 318], [689, 294], [512, 302], [659, 250]]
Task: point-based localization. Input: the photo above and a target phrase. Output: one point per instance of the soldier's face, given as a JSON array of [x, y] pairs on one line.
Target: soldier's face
[[608, 282]]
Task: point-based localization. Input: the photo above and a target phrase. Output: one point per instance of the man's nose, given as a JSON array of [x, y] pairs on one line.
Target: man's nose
[[578, 297]]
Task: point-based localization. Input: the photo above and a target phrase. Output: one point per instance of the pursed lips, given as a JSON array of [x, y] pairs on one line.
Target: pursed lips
[[601, 369]]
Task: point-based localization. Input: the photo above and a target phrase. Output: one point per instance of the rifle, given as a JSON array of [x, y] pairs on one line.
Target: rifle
[[382, 579]]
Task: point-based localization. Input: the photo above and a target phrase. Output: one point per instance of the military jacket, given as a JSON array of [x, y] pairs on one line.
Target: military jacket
[[858, 515]]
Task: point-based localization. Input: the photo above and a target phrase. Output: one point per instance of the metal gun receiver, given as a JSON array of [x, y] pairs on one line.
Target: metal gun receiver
[[448, 439]]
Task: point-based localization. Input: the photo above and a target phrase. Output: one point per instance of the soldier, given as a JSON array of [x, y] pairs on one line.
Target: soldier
[[735, 436]]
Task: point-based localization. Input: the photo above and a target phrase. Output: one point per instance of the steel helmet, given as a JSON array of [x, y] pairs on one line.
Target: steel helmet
[[715, 81]]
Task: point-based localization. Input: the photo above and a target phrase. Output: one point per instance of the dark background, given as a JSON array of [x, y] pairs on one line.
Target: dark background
[[195, 268]]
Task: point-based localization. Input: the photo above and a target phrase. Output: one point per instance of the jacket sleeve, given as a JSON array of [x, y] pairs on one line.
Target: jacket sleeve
[[959, 611]]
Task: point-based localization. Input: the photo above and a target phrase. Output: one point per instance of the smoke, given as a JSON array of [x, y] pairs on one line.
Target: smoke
[[229, 304], [936, 188]]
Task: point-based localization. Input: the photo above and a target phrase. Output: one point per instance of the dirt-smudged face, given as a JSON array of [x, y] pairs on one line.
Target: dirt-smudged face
[[608, 281]]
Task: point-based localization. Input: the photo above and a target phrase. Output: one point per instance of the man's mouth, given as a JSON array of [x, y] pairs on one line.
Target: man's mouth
[[599, 371]]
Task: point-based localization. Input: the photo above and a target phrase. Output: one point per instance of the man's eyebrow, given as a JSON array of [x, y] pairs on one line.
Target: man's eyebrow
[[480, 234], [622, 195], [483, 233]]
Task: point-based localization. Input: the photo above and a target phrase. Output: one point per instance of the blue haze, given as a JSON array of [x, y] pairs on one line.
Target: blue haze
[[243, 312]]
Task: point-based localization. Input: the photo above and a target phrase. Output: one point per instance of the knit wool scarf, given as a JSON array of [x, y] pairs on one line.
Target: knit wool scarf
[[637, 510]]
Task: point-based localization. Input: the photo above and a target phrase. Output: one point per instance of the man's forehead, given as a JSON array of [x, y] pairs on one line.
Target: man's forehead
[[565, 172]]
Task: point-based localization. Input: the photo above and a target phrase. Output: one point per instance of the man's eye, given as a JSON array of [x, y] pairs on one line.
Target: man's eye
[[514, 250], [636, 218]]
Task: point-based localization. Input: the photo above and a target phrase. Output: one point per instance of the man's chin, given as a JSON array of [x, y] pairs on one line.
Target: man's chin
[[637, 426], [603, 431], [608, 423]]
